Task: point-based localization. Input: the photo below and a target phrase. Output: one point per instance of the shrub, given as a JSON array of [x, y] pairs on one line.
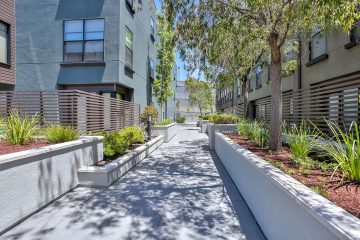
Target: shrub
[[149, 111], [115, 144], [224, 119], [302, 140], [60, 134], [20, 129], [164, 122], [134, 134], [205, 117], [344, 149], [180, 120]]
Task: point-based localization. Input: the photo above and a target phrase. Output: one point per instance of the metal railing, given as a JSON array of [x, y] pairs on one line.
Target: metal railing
[[84, 111]]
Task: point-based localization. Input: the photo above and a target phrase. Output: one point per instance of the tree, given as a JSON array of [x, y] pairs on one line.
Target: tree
[[274, 23], [162, 85], [200, 94]]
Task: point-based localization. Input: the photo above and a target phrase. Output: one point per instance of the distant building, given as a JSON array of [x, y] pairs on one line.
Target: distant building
[[7, 44], [183, 108]]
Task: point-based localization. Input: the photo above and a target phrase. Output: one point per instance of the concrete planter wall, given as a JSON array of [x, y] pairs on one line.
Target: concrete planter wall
[[106, 175], [204, 125], [213, 128], [168, 131], [31, 179], [283, 207]]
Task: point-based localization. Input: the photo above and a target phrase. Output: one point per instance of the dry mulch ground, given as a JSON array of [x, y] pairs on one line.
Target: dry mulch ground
[[345, 194], [6, 148]]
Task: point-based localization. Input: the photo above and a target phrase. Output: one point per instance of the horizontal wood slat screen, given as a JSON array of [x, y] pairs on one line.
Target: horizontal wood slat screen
[[84, 111], [337, 100]]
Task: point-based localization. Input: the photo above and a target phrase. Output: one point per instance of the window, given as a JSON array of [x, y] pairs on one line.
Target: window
[[317, 45], [4, 43], [84, 40], [239, 88], [259, 70], [130, 3], [152, 68], [250, 82], [152, 24], [128, 48], [355, 32]]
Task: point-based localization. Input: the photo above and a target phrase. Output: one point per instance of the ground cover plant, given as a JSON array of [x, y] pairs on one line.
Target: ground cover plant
[[60, 134]]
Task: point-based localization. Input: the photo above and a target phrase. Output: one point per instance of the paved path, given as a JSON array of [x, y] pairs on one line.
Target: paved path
[[181, 191]]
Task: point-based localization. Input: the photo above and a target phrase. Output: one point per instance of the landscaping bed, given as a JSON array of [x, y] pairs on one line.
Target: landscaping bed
[[6, 148], [319, 177]]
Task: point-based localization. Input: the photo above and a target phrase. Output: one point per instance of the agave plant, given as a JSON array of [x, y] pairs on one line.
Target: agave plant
[[343, 148]]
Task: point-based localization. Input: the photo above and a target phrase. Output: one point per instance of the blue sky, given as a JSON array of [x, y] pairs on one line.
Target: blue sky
[[182, 74]]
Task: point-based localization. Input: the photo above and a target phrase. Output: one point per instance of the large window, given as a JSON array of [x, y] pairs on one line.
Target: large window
[[84, 40], [128, 48], [152, 68], [152, 25], [259, 71], [4, 43], [317, 45]]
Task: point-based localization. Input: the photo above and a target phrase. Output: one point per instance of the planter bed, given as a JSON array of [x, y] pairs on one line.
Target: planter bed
[[109, 173], [168, 131], [33, 178], [284, 207], [6, 148]]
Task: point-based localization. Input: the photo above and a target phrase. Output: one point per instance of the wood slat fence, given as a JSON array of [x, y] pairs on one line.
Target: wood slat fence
[[84, 111], [337, 100]]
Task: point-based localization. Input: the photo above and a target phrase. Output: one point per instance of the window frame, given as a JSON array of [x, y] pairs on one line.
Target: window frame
[[353, 40], [258, 76], [8, 45], [152, 70], [131, 50], [322, 56], [83, 41]]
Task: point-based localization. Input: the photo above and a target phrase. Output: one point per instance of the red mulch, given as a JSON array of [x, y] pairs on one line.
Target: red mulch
[[346, 194], [6, 148]]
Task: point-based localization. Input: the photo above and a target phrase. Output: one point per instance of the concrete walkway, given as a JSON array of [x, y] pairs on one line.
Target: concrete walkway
[[181, 191]]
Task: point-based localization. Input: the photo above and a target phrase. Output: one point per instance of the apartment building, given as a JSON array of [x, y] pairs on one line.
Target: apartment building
[[325, 84], [106, 47], [7, 44]]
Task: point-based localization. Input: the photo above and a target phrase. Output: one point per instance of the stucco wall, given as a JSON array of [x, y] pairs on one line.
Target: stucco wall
[[31, 179]]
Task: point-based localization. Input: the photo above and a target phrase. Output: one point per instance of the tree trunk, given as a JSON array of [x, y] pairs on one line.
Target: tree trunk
[[245, 91], [276, 101], [161, 111]]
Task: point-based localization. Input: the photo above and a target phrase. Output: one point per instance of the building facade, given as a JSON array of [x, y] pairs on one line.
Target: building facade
[[7, 44], [106, 47], [325, 84]]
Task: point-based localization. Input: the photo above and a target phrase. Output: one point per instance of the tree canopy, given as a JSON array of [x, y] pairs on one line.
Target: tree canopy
[[200, 94]]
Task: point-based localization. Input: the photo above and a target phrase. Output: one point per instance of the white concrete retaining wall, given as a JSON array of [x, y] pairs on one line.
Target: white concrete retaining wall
[[168, 131], [204, 125], [106, 175], [31, 179], [213, 128], [283, 207]]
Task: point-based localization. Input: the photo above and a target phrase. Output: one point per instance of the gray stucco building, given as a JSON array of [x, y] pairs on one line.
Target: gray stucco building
[[102, 46]]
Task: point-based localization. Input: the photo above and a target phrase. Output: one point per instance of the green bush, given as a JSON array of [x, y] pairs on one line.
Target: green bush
[[301, 139], [134, 134], [60, 134], [20, 128], [224, 119], [180, 120], [164, 122], [115, 144], [344, 149], [205, 117]]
